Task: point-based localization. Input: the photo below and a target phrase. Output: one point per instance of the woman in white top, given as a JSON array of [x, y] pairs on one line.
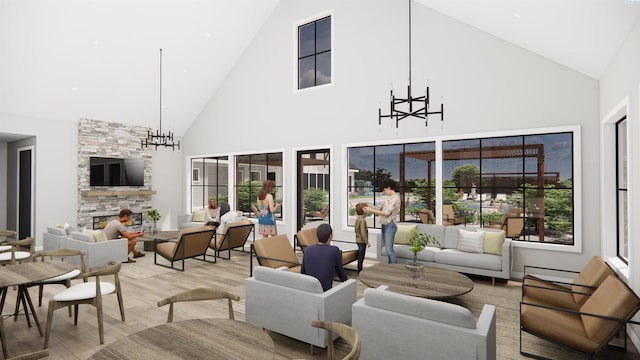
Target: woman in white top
[[213, 213], [387, 211]]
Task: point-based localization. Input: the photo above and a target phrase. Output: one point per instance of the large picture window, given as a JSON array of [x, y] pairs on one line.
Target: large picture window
[[209, 179], [251, 171], [522, 184], [314, 53]]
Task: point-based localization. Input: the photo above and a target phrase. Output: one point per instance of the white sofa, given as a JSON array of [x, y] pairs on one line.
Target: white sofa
[[185, 221], [97, 253], [396, 326], [286, 302], [447, 254]]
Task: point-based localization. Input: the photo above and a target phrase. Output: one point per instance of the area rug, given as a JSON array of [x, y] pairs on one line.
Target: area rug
[[144, 267]]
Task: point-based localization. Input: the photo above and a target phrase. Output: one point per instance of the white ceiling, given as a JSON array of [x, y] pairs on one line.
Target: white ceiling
[[99, 59]]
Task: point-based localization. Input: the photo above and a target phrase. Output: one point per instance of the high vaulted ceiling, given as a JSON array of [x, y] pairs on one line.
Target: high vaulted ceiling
[[68, 59]]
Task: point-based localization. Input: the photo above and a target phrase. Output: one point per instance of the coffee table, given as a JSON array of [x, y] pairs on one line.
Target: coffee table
[[435, 283], [149, 239]]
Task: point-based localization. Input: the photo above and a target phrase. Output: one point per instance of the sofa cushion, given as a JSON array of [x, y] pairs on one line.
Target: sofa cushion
[[469, 260], [82, 237], [98, 235], [493, 241], [422, 308], [56, 231], [451, 236], [470, 241], [291, 280], [199, 216], [403, 235], [437, 231]]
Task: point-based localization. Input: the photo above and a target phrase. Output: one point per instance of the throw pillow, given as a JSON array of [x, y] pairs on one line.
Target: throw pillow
[[470, 241], [404, 233], [199, 216], [98, 235], [493, 241]]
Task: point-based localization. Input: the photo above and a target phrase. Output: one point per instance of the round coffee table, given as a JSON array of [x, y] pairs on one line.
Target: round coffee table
[[435, 283]]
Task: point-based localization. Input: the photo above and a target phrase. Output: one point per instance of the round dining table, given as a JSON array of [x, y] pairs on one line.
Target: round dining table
[[193, 339]]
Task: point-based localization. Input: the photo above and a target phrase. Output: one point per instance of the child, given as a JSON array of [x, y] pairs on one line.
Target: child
[[362, 234]]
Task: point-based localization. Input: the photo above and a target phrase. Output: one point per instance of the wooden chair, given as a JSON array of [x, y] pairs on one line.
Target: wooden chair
[[449, 217], [349, 334], [426, 216], [561, 294], [586, 330], [198, 295], [5, 235], [191, 243], [274, 252], [29, 356], [512, 223], [87, 293], [308, 237], [21, 250], [235, 236], [322, 214]]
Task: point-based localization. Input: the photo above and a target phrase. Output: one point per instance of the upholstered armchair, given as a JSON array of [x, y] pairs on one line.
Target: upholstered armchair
[[286, 302], [309, 237], [97, 253], [54, 238]]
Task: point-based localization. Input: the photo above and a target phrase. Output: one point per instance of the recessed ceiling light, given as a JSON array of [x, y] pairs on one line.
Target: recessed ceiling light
[[96, 42], [74, 88], [516, 15], [207, 35], [185, 71]]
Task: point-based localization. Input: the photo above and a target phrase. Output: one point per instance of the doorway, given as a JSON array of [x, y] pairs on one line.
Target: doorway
[[314, 186], [25, 196]]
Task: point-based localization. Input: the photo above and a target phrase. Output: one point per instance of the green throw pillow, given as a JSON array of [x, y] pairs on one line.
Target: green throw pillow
[[493, 241], [98, 235], [199, 215], [404, 233]]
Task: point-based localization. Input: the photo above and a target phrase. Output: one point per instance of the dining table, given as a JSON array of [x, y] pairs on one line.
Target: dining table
[[25, 273], [208, 338]]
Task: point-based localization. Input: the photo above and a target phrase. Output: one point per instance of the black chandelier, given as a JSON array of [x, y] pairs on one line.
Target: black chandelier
[[420, 110], [159, 138]]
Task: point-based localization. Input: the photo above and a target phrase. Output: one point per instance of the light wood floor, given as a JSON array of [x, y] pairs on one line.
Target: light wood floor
[[140, 299]]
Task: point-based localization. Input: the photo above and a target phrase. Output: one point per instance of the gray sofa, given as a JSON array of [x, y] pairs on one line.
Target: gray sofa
[[97, 253], [395, 326], [448, 254], [185, 221]]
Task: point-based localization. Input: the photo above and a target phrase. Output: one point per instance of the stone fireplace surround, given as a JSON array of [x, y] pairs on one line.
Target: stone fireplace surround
[[100, 138]]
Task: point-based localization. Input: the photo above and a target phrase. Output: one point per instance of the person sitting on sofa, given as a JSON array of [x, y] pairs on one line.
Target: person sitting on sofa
[[212, 216], [115, 229], [322, 259]]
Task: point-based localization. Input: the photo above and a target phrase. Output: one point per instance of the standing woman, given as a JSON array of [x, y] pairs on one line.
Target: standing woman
[[387, 211], [266, 222]]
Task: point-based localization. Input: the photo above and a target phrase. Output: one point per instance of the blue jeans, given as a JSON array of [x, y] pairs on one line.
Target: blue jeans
[[362, 250], [388, 234]]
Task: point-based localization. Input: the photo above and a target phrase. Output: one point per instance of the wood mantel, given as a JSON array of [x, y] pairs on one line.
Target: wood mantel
[[96, 193]]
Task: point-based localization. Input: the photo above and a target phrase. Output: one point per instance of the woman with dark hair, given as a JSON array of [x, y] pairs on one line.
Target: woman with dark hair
[[387, 211], [266, 207]]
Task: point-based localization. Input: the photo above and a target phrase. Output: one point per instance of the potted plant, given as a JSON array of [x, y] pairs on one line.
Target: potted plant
[[154, 216], [417, 243]]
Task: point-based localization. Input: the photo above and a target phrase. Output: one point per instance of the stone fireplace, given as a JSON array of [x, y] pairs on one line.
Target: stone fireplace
[[99, 138]]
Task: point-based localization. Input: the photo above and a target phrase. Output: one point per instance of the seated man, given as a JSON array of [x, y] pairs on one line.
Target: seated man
[[115, 229], [323, 259]]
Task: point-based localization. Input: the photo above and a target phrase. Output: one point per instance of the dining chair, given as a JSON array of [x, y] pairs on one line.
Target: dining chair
[[349, 334], [64, 279], [6, 234], [29, 356], [87, 293], [21, 250], [198, 295]]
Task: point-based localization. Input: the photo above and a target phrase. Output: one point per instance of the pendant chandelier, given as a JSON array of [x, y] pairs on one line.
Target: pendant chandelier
[[402, 108], [159, 138]]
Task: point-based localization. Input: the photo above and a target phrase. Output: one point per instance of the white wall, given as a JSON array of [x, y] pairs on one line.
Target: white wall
[[487, 85], [56, 163], [168, 183]]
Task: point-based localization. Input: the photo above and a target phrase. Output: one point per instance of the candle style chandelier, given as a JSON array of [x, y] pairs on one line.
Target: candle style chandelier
[[159, 138], [402, 108]]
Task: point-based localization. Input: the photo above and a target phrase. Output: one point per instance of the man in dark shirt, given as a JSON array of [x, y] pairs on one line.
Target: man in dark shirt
[[323, 259]]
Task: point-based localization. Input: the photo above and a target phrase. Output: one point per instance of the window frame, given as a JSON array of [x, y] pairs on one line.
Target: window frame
[[619, 189], [278, 188], [577, 173], [295, 68], [203, 181]]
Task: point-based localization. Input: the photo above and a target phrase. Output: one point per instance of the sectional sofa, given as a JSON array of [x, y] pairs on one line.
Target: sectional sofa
[[468, 250]]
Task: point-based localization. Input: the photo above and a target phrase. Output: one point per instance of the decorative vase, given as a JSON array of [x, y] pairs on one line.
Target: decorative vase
[[154, 230], [415, 270]]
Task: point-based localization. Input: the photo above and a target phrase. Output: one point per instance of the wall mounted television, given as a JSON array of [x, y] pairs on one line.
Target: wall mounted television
[[105, 171]]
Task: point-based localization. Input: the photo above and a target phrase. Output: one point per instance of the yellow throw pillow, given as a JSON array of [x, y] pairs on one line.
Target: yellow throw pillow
[[404, 233], [98, 235], [493, 241], [199, 215]]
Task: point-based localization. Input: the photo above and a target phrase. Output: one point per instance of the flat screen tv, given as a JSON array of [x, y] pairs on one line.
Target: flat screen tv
[[116, 172]]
